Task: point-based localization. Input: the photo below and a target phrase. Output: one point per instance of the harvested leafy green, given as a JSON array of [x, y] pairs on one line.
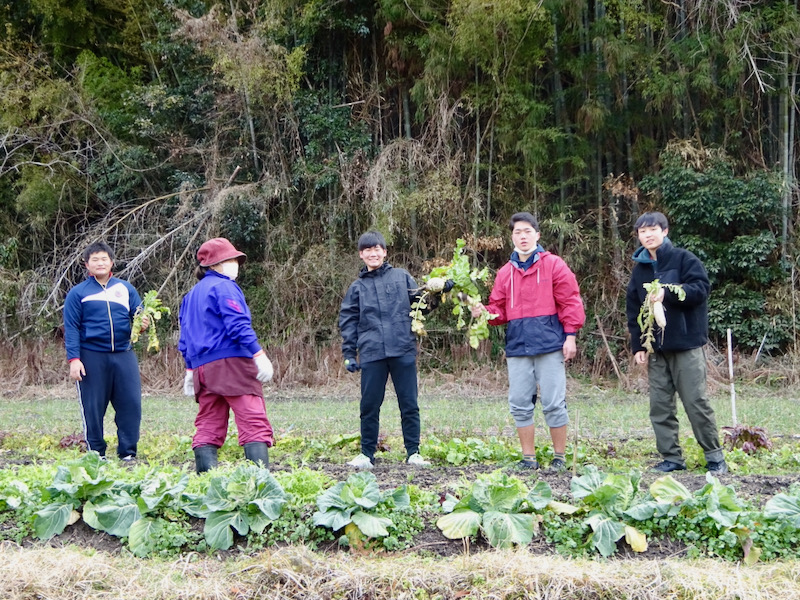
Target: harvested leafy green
[[650, 309], [464, 295], [153, 310]]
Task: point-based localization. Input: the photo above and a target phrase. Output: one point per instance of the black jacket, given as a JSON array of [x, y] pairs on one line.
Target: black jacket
[[375, 319], [687, 320]]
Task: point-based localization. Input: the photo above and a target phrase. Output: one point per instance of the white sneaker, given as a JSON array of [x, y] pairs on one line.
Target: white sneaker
[[416, 459], [361, 461]]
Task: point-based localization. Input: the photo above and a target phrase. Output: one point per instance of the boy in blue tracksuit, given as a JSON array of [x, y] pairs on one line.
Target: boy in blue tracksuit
[[98, 314]]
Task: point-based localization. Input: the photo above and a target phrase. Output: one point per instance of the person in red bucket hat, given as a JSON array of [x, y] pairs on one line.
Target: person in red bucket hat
[[225, 364]]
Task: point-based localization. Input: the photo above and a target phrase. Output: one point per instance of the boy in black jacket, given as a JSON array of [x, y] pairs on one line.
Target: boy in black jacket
[[678, 362], [375, 323]]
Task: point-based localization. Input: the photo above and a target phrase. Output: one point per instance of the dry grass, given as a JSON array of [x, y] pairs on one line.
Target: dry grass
[[70, 574]]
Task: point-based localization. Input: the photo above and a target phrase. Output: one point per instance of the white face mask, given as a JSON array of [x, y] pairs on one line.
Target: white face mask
[[230, 269]]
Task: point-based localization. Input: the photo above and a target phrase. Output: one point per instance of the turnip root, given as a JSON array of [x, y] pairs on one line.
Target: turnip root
[[435, 284]]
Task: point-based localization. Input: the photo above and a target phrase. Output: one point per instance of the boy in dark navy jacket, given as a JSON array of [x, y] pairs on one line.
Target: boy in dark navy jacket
[[98, 314], [375, 323]]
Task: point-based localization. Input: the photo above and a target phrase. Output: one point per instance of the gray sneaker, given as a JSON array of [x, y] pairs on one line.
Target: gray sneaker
[[667, 466], [557, 466], [717, 468], [527, 465]]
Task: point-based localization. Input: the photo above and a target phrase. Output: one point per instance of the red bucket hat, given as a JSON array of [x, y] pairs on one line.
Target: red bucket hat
[[217, 250]]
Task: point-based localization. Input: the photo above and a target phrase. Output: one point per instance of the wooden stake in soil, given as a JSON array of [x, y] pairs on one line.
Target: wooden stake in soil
[[730, 376], [575, 444]]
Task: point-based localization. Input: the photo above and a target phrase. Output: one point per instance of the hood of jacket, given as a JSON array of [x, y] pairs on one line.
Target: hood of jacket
[[365, 272], [525, 265], [642, 254]]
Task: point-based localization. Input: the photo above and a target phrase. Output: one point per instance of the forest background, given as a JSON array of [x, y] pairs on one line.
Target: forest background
[[292, 126]]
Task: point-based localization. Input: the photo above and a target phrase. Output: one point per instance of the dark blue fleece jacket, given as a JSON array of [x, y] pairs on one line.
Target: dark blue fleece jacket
[[687, 320]]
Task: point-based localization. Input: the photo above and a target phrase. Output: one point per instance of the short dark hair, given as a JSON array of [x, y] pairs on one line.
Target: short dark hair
[[370, 240], [96, 247], [651, 219], [525, 217]]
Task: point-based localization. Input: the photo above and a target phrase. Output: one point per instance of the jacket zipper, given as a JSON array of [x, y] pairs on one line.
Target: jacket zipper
[[108, 308]]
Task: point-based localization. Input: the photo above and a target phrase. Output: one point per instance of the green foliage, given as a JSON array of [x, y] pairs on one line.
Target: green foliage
[[153, 309], [249, 498], [728, 221], [357, 502], [488, 108], [242, 220], [77, 481], [456, 451], [647, 315], [498, 507], [42, 194], [329, 134], [567, 534], [608, 499], [465, 294], [709, 520], [108, 86], [119, 172], [748, 313], [785, 506], [304, 485]]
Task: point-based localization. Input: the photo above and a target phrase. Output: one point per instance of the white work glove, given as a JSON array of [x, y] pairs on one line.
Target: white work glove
[[264, 367], [188, 383]]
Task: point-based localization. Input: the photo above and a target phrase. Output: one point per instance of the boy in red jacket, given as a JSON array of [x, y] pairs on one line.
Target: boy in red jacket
[[537, 295]]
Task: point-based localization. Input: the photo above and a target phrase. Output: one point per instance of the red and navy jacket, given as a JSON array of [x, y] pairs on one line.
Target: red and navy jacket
[[542, 305], [99, 317], [215, 322]]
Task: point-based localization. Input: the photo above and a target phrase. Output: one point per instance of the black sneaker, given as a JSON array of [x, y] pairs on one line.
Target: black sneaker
[[557, 466], [717, 468], [668, 466], [528, 465]]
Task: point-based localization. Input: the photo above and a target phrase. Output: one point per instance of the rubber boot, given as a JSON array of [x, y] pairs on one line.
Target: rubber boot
[[205, 457], [257, 452]]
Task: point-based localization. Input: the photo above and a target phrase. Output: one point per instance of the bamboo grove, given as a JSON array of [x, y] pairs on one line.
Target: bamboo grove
[[291, 126]]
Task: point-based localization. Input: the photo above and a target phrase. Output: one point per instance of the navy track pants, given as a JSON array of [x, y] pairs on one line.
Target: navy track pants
[[111, 377]]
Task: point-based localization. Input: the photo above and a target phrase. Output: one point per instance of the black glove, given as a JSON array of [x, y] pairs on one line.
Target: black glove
[[448, 285], [351, 364]]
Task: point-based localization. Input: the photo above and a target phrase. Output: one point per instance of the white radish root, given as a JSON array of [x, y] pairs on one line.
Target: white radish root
[[659, 314]]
